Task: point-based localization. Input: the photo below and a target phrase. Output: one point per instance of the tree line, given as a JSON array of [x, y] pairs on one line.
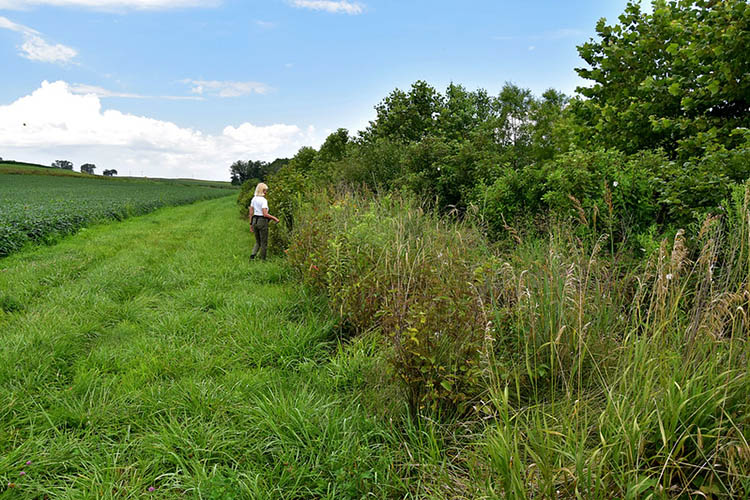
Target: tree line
[[86, 168], [654, 141]]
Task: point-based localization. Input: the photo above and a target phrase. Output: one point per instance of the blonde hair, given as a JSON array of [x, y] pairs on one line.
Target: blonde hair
[[260, 189]]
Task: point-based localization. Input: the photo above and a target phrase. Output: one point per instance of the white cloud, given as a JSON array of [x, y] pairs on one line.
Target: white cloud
[[335, 7], [35, 47], [56, 122], [531, 47], [226, 88], [83, 89], [10, 25], [266, 25], [110, 4]]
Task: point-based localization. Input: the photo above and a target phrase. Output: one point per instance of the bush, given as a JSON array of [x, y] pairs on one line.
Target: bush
[[386, 265]]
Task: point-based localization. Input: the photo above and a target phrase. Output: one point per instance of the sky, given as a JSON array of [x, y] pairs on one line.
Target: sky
[[183, 88]]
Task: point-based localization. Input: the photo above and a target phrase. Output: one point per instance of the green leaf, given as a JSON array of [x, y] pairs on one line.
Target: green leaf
[[714, 87], [674, 89]]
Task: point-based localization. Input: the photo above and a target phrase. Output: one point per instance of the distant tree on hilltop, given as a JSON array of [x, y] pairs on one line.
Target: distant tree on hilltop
[[88, 168], [63, 164], [109, 172]]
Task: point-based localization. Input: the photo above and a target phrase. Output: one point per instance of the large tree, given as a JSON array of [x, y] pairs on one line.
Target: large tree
[[676, 78], [407, 116]]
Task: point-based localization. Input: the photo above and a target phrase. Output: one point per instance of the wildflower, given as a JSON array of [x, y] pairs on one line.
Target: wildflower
[[151, 488], [669, 277], [615, 184], [28, 462], [22, 473]]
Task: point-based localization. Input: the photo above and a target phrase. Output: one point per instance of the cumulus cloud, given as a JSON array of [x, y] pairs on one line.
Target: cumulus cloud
[[35, 47], [55, 122], [110, 4], [226, 88], [335, 7]]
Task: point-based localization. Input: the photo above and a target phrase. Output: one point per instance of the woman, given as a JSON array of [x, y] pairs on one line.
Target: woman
[[258, 215]]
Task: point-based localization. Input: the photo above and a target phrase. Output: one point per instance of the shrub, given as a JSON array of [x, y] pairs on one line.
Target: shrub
[[386, 265]]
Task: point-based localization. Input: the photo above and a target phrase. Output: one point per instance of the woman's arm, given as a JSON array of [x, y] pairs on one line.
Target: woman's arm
[[269, 216], [250, 218]]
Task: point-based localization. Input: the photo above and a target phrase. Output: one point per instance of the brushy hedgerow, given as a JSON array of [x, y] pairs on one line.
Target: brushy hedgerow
[[385, 263], [589, 374]]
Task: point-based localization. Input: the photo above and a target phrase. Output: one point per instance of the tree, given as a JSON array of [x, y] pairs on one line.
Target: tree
[[88, 168], [242, 171], [674, 79], [406, 117], [109, 172], [334, 147], [551, 131], [463, 111], [63, 164]]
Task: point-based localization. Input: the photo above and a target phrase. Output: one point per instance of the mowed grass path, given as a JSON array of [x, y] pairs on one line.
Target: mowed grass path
[[152, 354]]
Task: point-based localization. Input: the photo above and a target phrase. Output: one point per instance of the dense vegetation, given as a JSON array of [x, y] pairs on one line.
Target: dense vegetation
[[567, 276], [506, 296], [38, 208], [661, 133]]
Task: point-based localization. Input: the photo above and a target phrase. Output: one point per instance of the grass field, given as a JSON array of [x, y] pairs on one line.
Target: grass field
[[42, 207], [20, 168], [151, 353]]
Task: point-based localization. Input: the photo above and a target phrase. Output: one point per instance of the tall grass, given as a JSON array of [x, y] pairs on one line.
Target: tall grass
[[580, 372]]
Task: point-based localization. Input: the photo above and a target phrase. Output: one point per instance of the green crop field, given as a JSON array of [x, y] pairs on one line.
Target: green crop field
[[37, 208]]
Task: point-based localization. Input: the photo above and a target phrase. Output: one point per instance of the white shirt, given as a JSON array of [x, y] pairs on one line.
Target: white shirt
[[259, 203]]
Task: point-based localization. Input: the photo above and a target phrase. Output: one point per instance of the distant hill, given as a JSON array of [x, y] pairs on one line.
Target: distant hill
[[22, 168], [17, 167]]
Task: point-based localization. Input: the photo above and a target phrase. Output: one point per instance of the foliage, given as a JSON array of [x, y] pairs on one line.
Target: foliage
[[673, 79], [385, 264], [63, 164], [285, 192], [612, 377], [88, 168], [242, 171], [406, 117]]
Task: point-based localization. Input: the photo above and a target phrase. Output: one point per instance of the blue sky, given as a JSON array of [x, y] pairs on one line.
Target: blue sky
[[181, 88]]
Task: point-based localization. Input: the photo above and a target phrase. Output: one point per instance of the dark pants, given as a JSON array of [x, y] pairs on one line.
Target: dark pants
[[260, 229]]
